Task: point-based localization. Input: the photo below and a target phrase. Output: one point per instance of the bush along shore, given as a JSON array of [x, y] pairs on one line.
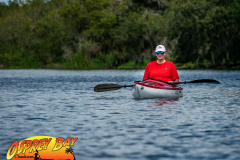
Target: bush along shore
[[119, 34]]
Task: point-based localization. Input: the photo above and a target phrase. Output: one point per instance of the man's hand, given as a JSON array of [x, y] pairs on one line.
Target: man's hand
[[176, 80]]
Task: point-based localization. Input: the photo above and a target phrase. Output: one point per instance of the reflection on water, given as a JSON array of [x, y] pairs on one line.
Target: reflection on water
[[203, 124], [166, 102]]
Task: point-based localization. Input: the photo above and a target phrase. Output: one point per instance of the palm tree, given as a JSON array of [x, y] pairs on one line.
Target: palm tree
[[70, 150]]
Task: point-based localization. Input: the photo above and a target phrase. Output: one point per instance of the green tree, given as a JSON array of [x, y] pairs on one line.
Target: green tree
[[206, 30]]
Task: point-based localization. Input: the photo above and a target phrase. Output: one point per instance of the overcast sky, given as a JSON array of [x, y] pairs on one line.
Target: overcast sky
[[3, 0]]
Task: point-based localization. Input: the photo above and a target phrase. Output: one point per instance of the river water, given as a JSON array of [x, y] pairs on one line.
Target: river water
[[203, 124]]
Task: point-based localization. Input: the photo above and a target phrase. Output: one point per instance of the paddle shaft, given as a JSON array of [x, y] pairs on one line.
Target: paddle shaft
[[179, 83], [127, 86], [198, 81]]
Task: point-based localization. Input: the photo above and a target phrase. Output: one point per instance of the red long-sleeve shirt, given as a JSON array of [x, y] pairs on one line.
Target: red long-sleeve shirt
[[165, 71]]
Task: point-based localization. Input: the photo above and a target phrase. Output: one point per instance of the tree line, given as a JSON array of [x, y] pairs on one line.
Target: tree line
[[101, 34]]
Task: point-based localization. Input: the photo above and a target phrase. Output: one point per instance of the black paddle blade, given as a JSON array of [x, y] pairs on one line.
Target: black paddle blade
[[106, 87], [205, 81]]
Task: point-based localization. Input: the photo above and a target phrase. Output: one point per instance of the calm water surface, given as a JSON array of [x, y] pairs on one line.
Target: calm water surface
[[203, 124]]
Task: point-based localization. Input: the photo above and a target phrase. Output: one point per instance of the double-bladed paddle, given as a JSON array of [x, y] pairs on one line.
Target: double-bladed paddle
[[111, 87]]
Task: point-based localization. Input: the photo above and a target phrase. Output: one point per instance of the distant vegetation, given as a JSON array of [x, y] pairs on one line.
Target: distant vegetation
[[105, 34]]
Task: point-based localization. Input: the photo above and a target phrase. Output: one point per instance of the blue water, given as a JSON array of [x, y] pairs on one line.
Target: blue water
[[203, 124]]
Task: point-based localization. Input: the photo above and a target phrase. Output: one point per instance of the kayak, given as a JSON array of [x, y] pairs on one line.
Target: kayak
[[151, 88]]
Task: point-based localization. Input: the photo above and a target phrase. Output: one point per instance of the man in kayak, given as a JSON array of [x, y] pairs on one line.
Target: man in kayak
[[161, 69]]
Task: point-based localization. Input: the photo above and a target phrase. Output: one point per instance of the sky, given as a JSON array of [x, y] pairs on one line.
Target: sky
[[3, 0]]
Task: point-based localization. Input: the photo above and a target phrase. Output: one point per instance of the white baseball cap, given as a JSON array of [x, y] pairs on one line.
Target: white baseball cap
[[160, 48]]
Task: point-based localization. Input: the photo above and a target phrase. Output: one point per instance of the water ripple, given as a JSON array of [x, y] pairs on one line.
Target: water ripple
[[203, 124]]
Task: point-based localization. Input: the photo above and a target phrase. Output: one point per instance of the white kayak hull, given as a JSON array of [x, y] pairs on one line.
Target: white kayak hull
[[146, 92]]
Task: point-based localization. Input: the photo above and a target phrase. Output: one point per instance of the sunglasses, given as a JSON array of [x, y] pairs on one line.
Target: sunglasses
[[160, 52]]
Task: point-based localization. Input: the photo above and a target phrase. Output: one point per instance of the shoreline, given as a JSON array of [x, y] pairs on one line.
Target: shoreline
[[66, 69]]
